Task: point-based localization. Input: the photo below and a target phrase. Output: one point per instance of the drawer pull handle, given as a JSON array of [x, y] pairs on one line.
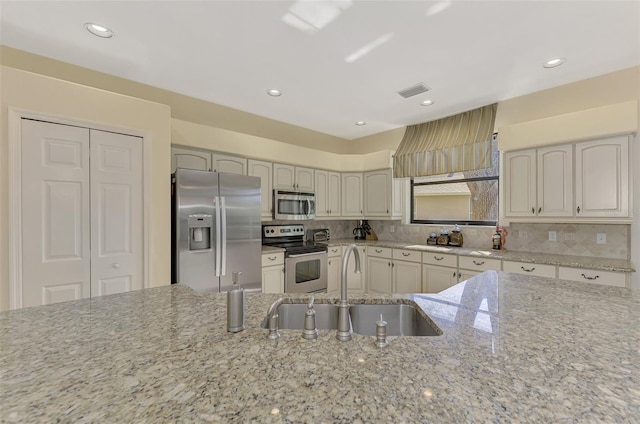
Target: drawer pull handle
[[272, 258], [406, 254], [528, 270], [590, 278], [334, 250], [378, 250], [478, 263], [438, 258]]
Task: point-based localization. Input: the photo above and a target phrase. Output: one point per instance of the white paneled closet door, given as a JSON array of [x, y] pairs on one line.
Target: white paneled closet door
[[81, 213], [116, 213], [56, 256]]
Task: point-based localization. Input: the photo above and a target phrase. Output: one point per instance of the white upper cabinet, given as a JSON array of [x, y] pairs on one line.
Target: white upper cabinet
[[381, 194], [289, 177], [555, 181], [602, 178], [327, 189], [190, 159], [264, 170], [520, 183], [541, 183], [352, 194], [228, 164]]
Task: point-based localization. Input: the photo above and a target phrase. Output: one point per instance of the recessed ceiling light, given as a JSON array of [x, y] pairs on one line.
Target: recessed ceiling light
[[275, 93], [427, 103], [554, 62], [99, 30], [361, 123]]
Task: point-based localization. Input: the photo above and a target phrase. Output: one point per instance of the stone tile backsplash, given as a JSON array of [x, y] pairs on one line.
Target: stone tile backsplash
[[571, 239]]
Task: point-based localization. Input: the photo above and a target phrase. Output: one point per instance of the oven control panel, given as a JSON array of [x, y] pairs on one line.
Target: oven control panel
[[272, 231]]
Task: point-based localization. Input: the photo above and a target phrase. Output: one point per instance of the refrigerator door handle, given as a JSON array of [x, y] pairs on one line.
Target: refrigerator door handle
[[216, 205], [223, 206]]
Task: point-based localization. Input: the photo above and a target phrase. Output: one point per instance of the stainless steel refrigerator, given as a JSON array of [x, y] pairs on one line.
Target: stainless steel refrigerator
[[216, 230]]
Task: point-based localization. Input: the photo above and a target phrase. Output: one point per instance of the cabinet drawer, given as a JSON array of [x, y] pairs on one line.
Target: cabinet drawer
[[478, 263], [379, 252], [275, 258], [526, 268], [407, 255], [440, 259], [607, 278]]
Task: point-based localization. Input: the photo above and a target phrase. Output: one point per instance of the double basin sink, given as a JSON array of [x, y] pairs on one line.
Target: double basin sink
[[402, 319]]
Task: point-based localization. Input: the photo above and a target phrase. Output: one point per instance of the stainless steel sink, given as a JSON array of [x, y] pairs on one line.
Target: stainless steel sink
[[402, 320]]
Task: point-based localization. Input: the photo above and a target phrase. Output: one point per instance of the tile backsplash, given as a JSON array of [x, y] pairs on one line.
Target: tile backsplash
[[571, 239]]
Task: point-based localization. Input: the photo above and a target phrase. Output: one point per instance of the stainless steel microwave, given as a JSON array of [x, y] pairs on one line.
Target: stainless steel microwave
[[294, 205]]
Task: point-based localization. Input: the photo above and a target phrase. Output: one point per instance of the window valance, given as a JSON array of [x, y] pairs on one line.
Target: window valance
[[457, 143]]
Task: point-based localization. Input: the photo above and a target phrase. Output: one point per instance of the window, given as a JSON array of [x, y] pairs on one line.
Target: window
[[469, 197]]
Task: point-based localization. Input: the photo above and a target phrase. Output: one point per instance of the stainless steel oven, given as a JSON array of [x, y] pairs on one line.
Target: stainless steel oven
[[305, 272], [305, 263], [294, 205]]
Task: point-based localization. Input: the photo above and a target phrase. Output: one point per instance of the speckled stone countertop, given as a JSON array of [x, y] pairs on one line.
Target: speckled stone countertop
[[618, 265], [513, 349]]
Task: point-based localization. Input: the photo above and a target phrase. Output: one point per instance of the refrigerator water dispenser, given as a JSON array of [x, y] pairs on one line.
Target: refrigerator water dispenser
[[200, 228]]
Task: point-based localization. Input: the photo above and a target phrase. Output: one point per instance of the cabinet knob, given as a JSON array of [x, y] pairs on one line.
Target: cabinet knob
[[540, 209], [578, 210], [533, 210]]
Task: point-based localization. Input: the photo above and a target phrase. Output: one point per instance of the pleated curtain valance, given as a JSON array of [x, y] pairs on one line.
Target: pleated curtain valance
[[454, 144]]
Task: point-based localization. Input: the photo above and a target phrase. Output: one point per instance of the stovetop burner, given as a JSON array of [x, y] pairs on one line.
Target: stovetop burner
[[290, 238]]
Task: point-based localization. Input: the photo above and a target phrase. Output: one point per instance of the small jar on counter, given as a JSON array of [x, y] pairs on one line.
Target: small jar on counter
[[455, 238], [443, 238], [432, 240]]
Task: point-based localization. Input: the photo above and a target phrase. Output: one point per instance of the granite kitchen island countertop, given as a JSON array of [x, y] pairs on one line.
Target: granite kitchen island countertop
[[605, 264], [513, 349]]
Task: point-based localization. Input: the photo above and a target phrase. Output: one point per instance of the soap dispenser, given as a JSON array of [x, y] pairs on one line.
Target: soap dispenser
[[235, 306]]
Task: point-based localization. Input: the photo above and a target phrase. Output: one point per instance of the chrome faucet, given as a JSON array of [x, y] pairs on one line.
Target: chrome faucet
[[344, 320], [270, 321]]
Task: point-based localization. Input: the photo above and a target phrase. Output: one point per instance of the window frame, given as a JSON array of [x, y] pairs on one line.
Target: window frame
[[452, 222]]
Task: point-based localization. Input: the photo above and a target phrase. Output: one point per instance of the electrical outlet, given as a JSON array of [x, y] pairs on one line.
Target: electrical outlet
[[569, 236], [553, 236], [601, 238]]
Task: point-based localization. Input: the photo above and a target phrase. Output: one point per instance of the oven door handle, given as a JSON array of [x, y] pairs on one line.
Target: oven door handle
[[306, 254]]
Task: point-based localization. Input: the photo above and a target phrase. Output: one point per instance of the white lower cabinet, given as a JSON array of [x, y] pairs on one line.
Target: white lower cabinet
[[607, 278], [273, 272], [526, 268], [438, 278], [379, 269], [334, 268], [356, 282], [393, 270]]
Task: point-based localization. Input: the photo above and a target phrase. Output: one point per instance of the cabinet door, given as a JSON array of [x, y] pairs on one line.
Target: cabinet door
[[273, 279], [555, 181], [519, 180], [377, 193], [334, 267], [407, 277], [304, 179], [283, 176], [352, 194], [264, 170], [322, 190], [333, 194], [229, 164], [602, 178], [190, 159], [379, 271], [355, 282], [436, 279]]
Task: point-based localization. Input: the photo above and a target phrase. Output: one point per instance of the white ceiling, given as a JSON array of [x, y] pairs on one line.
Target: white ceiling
[[470, 53]]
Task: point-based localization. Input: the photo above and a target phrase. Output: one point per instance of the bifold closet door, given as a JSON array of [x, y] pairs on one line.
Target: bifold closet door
[[116, 213], [82, 223], [56, 255]]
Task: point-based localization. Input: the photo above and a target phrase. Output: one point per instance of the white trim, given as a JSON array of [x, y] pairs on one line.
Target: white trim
[[15, 117]]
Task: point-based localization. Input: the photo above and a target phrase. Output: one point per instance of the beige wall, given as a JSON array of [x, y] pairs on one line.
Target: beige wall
[[55, 98]]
